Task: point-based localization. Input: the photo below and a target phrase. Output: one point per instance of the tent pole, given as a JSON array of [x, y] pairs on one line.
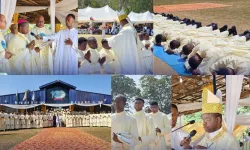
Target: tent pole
[[214, 83]]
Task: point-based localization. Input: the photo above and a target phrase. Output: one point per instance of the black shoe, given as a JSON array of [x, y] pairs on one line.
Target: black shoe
[[224, 28], [244, 33], [193, 22], [164, 14], [215, 26], [198, 24], [232, 31], [247, 36]]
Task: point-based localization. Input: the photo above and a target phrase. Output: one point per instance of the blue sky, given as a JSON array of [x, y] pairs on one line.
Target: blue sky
[[90, 83]]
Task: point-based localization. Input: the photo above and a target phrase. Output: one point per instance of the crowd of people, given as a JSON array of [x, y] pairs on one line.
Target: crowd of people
[[39, 50], [104, 61], [58, 118], [206, 49], [124, 53], [140, 130]]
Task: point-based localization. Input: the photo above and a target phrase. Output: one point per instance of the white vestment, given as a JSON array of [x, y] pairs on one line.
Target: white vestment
[[65, 62], [46, 53], [241, 66], [161, 121], [91, 68], [4, 63], [111, 63], [176, 138], [220, 140], [24, 60], [8, 36], [146, 131], [121, 122], [124, 45]]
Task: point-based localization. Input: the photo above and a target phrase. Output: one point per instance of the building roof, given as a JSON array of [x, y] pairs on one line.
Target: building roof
[[57, 82]]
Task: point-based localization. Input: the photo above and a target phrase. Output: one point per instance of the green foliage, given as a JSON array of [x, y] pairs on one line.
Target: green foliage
[[127, 5], [243, 110], [195, 116], [124, 85], [157, 88]]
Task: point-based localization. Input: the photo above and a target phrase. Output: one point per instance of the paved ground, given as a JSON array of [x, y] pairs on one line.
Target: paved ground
[[97, 138]]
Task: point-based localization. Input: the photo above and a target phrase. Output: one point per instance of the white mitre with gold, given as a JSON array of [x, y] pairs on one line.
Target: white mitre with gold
[[210, 102]]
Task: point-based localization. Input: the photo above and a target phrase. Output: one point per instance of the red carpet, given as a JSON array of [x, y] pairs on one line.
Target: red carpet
[[184, 7], [63, 139]]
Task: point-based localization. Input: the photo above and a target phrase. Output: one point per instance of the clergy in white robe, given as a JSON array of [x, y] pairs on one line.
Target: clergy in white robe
[[2, 121], [22, 119], [111, 63], [216, 137], [28, 121], [82, 45], [178, 135], [6, 121], [65, 62], [147, 56], [12, 121], [46, 48], [146, 129], [91, 65], [4, 53], [24, 60], [125, 47], [161, 124], [13, 32], [122, 123], [237, 65]]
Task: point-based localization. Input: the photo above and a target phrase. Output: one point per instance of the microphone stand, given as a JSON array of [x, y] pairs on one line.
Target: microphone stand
[[181, 127]]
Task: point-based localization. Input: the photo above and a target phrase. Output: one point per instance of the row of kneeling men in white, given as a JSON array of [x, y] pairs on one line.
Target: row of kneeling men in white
[[206, 50]]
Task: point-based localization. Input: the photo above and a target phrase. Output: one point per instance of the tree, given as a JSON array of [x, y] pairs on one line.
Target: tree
[[157, 88]]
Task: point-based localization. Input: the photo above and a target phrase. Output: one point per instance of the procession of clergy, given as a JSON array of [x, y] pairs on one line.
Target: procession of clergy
[[206, 49], [14, 121], [139, 131], [40, 51], [124, 53]]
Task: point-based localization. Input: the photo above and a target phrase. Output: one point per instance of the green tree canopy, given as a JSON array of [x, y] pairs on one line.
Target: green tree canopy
[[128, 5]]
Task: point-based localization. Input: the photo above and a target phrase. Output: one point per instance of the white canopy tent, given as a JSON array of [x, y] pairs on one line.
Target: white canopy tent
[[51, 105], [103, 14], [59, 10], [145, 17]]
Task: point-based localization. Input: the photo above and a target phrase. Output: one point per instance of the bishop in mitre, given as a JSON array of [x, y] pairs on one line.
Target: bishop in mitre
[[47, 48], [123, 127], [216, 136], [125, 47], [25, 58]]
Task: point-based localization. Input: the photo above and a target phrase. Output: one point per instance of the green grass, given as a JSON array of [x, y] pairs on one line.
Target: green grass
[[9, 139], [237, 14]]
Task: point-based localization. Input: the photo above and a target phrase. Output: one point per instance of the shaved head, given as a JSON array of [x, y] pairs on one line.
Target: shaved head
[[194, 61], [187, 49], [14, 29], [174, 44], [2, 22], [40, 21], [92, 42], [225, 71]]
